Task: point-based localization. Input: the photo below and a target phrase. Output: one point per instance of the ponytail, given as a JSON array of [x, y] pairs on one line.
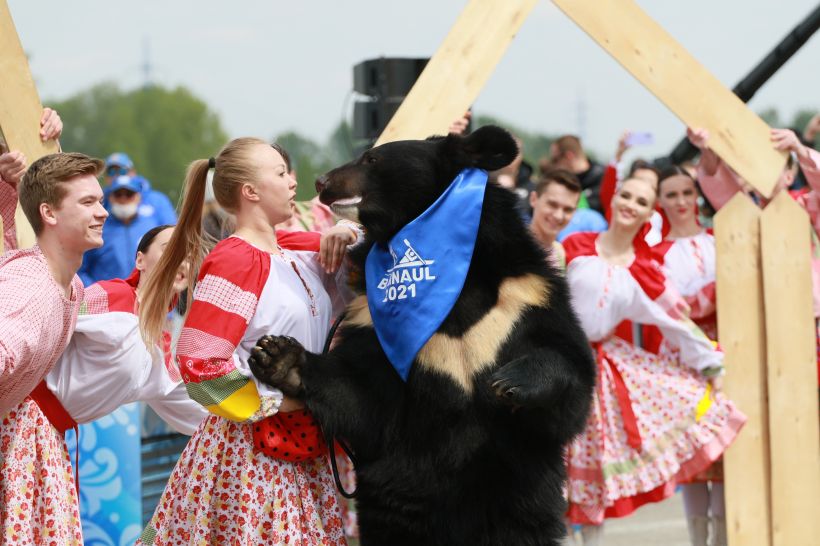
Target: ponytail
[[233, 167], [185, 244]]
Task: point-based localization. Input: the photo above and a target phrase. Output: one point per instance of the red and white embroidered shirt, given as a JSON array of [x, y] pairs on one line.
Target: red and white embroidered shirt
[[36, 322]]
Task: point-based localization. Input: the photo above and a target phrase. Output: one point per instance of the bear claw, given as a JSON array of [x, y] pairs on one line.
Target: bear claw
[[276, 360], [512, 386]]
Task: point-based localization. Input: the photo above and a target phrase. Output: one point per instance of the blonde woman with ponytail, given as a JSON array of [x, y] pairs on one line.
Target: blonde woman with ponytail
[[255, 471]]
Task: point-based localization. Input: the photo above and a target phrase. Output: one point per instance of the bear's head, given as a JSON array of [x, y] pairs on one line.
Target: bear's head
[[390, 185]]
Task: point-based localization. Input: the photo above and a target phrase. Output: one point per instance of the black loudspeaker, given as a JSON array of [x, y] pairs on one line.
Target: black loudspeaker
[[384, 82], [370, 118], [386, 77]]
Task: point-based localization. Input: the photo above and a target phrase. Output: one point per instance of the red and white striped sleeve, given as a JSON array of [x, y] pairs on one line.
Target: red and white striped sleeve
[[228, 289]]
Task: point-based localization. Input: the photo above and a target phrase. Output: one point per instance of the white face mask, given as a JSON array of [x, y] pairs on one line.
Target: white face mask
[[124, 212]]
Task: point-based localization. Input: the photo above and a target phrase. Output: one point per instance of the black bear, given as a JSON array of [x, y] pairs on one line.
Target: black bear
[[469, 448]]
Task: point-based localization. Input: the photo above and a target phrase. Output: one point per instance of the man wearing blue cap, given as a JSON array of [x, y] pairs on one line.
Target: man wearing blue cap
[[154, 203], [123, 229]]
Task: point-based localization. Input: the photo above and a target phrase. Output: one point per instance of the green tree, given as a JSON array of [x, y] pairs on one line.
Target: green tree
[[802, 117], [771, 116], [161, 129], [308, 159], [340, 144], [311, 159]]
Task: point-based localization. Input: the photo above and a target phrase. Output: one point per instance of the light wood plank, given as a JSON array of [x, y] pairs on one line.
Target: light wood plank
[[691, 92], [453, 78], [741, 331], [20, 109], [791, 355]]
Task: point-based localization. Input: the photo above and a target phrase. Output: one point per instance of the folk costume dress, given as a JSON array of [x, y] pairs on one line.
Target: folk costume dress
[[224, 490], [654, 419], [689, 265], [107, 364], [38, 497], [314, 216]]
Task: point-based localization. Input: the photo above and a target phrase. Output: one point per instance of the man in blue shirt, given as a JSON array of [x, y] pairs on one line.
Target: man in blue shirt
[[123, 230], [154, 203]]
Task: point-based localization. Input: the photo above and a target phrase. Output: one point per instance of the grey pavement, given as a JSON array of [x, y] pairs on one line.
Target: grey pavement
[[657, 524]]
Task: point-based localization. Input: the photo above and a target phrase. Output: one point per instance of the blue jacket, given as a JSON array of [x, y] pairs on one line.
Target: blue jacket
[[584, 220], [116, 258], [155, 203]]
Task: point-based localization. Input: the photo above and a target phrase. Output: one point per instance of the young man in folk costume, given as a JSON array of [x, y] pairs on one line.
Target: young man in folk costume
[[40, 296]]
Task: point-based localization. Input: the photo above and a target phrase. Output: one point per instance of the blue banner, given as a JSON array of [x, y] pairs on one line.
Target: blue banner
[[110, 493]]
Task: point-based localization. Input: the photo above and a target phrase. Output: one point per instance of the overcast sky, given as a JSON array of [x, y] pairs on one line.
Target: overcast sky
[[271, 66]]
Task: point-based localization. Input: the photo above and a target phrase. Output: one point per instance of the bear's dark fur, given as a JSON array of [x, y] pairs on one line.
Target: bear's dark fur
[[469, 450]]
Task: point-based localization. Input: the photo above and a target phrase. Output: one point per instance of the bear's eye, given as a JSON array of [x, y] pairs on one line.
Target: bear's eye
[[371, 159]]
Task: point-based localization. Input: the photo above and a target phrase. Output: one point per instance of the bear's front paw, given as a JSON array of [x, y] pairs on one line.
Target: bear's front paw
[[276, 361], [514, 385]]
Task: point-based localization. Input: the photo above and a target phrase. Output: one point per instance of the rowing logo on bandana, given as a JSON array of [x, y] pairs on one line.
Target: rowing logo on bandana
[[399, 283]]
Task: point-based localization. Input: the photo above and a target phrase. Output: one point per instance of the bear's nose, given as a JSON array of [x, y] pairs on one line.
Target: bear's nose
[[321, 183]]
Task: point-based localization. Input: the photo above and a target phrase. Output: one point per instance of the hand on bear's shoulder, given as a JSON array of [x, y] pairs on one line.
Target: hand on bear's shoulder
[[276, 361]]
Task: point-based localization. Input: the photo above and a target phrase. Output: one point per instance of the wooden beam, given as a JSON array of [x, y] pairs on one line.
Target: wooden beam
[[691, 92], [792, 372], [741, 332], [459, 69], [20, 109]]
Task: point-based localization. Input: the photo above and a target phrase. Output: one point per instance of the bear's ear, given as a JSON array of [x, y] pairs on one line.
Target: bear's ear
[[488, 148]]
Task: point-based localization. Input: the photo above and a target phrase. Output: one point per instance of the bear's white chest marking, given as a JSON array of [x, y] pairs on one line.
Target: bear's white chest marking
[[460, 358]]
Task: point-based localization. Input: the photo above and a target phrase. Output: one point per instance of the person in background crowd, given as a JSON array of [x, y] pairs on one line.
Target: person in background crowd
[[554, 200], [154, 204], [123, 230], [566, 152], [517, 177], [687, 255], [666, 406], [40, 297], [811, 131], [720, 183], [216, 223]]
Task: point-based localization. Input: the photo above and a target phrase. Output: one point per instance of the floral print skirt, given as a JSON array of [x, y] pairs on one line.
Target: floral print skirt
[[38, 496], [223, 492], [653, 424]]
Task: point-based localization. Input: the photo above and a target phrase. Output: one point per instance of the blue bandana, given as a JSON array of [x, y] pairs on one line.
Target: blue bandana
[[413, 283]]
